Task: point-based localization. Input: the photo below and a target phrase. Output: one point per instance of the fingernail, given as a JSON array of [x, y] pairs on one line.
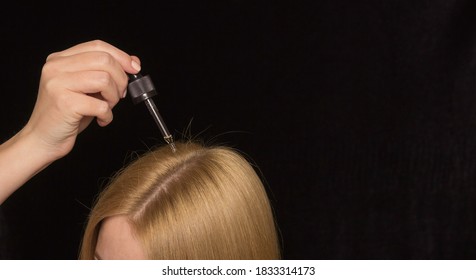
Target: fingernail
[[135, 65], [124, 94]]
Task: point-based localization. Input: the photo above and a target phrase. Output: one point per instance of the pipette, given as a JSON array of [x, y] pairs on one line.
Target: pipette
[[141, 89]]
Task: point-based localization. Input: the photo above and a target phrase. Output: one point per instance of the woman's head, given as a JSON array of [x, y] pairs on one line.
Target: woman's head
[[197, 203]]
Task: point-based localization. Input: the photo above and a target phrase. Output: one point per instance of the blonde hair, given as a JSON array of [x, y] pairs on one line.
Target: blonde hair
[[198, 203]]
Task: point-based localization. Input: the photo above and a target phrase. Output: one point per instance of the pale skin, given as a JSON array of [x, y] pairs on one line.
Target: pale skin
[[116, 241], [77, 85]]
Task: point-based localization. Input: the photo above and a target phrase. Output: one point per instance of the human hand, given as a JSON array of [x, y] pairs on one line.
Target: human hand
[[77, 85]]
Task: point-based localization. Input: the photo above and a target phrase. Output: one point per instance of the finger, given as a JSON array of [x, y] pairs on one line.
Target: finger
[[136, 59], [129, 64], [90, 61], [86, 82], [85, 123], [83, 106]]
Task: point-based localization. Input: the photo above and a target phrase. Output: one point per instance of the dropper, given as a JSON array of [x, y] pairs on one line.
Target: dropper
[[141, 89]]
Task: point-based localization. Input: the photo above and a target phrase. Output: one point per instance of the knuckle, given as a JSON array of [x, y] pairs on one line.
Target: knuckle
[[97, 43], [103, 78], [52, 56], [48, 68], [103, 108], [104, 58]]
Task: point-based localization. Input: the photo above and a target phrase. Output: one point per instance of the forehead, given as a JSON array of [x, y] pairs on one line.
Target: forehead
[[116, 240]]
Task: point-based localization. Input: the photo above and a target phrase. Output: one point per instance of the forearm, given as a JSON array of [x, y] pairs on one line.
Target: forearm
[[20, 160], [77, 85]]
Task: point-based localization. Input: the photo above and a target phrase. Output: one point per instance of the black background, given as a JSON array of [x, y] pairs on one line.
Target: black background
[[361, 115]]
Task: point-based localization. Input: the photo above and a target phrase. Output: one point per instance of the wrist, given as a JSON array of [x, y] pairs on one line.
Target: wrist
[[19, 161], [44, 151]]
